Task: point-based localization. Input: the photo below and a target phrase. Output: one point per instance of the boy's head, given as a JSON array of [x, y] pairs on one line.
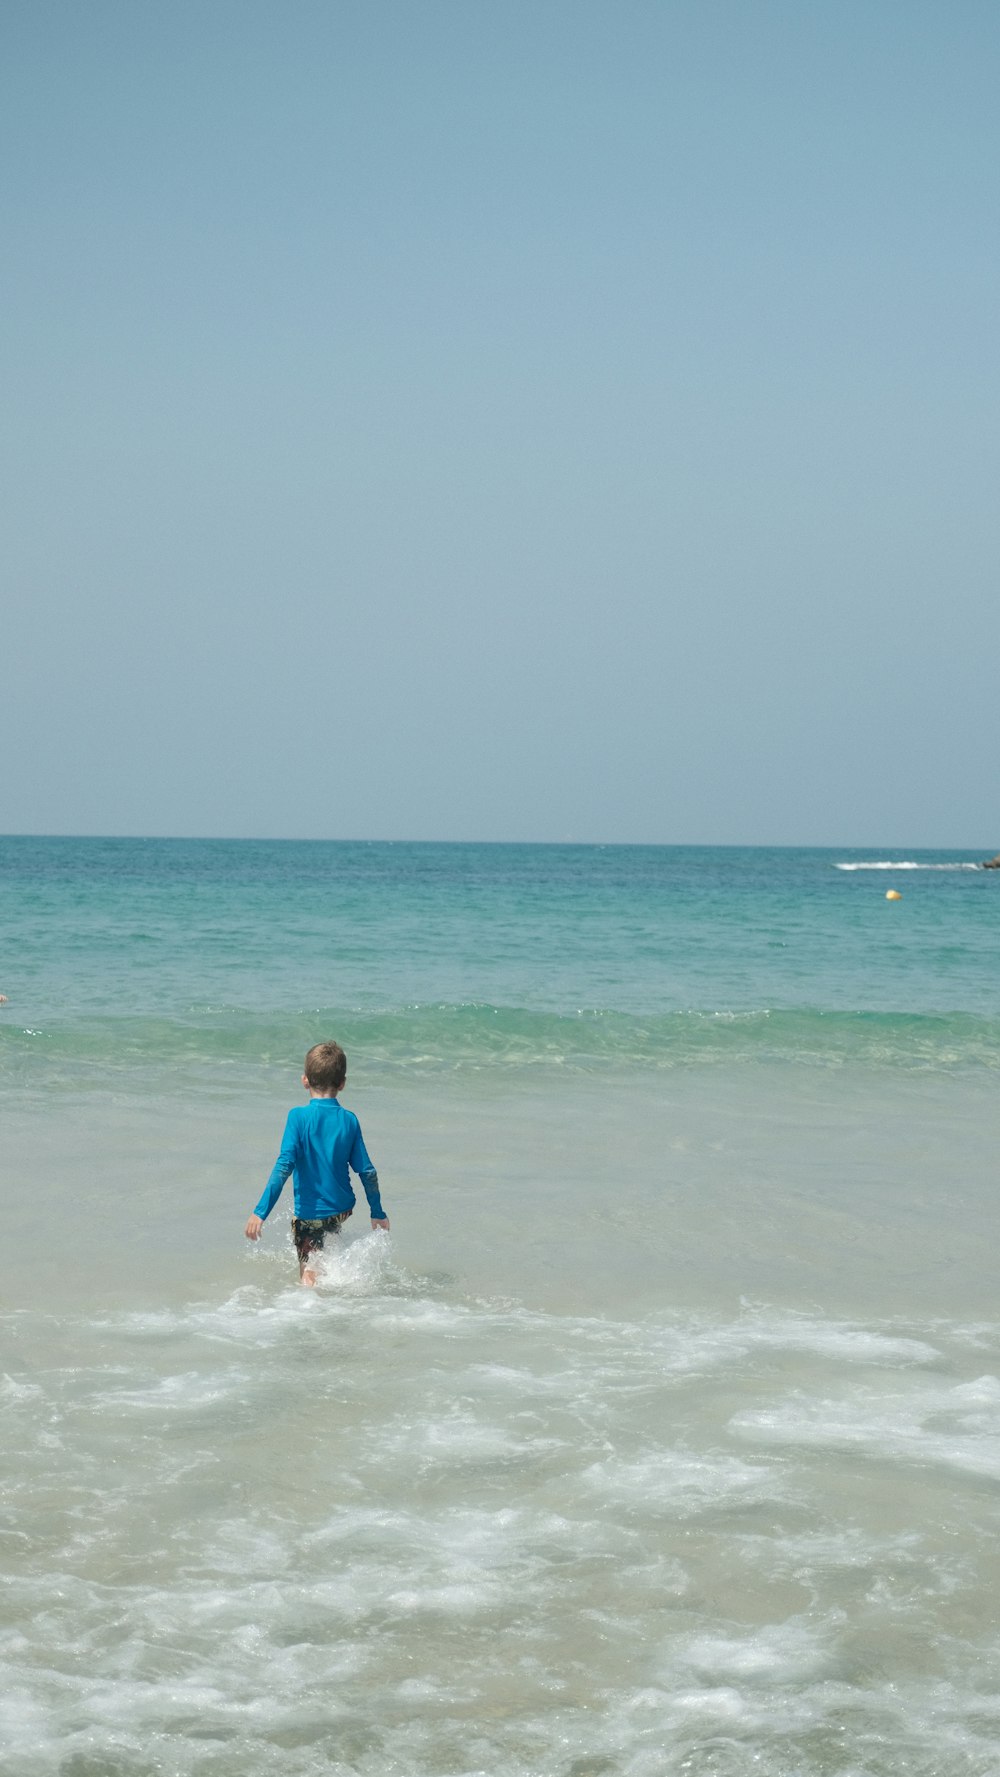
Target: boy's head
[[325, 1067]]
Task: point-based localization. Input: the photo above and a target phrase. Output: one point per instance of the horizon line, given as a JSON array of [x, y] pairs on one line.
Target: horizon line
[[566, 843]]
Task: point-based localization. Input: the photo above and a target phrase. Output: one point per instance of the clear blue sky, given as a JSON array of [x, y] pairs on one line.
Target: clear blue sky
[[497, 420]]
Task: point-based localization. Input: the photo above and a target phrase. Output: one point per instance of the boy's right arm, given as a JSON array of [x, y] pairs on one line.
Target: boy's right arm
[[280, 1171]]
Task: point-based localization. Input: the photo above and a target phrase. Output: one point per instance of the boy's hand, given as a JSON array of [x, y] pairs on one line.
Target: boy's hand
[[384, 1223], [253, 1228]]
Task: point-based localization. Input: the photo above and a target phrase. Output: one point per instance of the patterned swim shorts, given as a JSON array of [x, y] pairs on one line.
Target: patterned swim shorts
[[309, 1236]]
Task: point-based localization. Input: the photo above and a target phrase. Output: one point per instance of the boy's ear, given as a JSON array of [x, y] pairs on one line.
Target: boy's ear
[[305, 1081]]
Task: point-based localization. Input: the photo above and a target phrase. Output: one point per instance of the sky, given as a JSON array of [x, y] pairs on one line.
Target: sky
[[501, 419]]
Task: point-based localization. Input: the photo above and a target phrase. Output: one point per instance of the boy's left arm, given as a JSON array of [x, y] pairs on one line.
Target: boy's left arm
[[361, 1164]]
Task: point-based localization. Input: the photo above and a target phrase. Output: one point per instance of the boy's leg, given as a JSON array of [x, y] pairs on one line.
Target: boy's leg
[[309, 1237]]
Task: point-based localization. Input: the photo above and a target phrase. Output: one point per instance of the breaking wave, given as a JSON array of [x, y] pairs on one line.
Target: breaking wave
[[905, 864]]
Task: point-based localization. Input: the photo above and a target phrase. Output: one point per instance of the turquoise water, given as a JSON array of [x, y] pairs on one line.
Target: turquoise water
[[662, 1436], [438, 956]]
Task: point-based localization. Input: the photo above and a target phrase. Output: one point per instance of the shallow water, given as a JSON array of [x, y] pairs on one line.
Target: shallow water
[[663, 1435], [385, 1527]]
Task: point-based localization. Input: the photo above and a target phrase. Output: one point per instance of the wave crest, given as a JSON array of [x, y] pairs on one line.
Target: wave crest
[[232, 1044], [905, 864]]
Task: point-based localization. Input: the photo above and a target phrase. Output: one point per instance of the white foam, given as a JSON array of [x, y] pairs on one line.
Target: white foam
[[362, 1266], [679, 1483], [188, 1392], [955, 1427], [455, 1440], [250, 1316], [779, 1653], [426, 1533], [905, 864], [699, 1345], [12, 1391]]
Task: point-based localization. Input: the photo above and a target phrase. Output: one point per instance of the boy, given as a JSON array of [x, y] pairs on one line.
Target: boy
[[321, 1141]]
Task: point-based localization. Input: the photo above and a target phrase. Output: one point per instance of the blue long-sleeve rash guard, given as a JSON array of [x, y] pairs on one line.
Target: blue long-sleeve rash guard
[[322, 1144]]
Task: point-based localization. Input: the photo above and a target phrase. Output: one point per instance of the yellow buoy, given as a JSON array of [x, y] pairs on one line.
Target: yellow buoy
[[893, 895]]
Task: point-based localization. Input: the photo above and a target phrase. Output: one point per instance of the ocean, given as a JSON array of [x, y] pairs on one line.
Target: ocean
[[662, 1435]]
